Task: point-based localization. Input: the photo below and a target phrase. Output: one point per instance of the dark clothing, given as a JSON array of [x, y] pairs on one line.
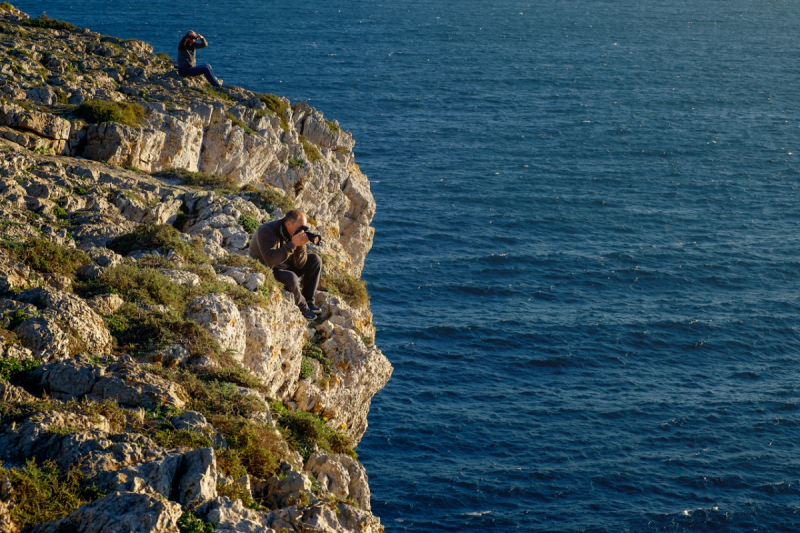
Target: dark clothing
[[202, 70], [272, 245], [186, 53], [187, 62], [308, 274]]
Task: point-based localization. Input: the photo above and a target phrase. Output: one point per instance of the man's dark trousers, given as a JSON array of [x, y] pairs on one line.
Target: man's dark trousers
[[291, 278]]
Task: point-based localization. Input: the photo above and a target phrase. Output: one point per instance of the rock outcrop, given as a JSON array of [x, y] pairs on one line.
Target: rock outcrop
[[146, 362]]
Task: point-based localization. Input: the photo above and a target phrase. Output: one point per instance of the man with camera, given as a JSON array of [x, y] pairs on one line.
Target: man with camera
[[187, 63], [281, 244]]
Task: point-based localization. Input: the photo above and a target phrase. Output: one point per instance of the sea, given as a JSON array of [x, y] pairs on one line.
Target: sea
[[586, 269]]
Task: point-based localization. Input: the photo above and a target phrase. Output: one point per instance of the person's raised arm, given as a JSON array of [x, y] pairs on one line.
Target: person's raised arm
[[200, 42], [269, 256]]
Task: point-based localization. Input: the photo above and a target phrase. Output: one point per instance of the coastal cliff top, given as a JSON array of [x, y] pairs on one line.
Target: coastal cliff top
[[153, 376]]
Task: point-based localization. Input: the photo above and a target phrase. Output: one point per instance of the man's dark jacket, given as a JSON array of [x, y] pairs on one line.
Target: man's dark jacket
[[272, 245]]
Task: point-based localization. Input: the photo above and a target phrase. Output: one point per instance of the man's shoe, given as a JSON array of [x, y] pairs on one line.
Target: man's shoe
[[308, 314], [317, 309]]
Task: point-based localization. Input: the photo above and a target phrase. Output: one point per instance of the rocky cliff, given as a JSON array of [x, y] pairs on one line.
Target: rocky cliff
[[153, 377]]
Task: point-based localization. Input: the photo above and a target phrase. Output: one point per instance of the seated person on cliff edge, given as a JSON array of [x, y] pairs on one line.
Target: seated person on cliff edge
[[187, 64], [279, 245]]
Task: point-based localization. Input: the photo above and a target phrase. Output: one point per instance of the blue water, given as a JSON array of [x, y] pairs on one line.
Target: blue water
[[585, 268]]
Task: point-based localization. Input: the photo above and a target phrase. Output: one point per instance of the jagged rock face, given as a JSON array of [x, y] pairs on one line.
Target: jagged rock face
[[274, 342], [358, 371], [120, 511], [342, 476], [189, 478]]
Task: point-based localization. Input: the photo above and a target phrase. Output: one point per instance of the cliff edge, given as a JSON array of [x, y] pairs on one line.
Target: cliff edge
[[153, 377]]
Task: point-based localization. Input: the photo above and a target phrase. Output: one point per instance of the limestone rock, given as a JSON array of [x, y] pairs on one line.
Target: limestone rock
[[44, 337], [126, 382], [232, 516], [359, 372], [182, 277], [105, 304], [79, 324], [120, 511], [119, 145], [43, 124], [323, 518], [341, 475], [218, 314], [189, 478], [11, 393], [274, 344]]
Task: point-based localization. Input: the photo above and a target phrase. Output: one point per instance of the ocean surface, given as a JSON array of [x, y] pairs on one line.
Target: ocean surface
[[586, 268]]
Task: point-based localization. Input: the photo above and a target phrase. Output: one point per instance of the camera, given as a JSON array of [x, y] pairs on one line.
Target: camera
[[313, 238]]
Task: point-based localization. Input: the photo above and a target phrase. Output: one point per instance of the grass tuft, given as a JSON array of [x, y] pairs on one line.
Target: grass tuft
[[312, 152], [43, 21], [44, 256], [352, 290], [269, 198], [247, 129], [190, 523], [44, 493], [199, 179], [277, 106], [157, 237], [97, 111], [304, 430]]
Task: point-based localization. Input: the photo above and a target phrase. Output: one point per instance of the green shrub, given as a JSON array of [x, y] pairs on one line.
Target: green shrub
[[170, 438], [198, 179], [44, 21], [59, 211], [269, 198], [97, 111], [5, 6], [132, 326], [234, 491], [306, 368], [277, 106], [239, 123], [312, 153], [254, 448], [44, 256], [296, 163], [144, 285], [11, 367], [333, 127], [314, 351], [80, 191], [44, 493], [157, 237], [189, 523], [352, 290], [249, 224], [163, 56], [304, 430]]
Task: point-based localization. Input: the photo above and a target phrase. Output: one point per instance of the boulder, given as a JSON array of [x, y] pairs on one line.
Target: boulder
[[341, 475], [218, 314], [79, 324], [120, 511], [43, 124], [232, 516]]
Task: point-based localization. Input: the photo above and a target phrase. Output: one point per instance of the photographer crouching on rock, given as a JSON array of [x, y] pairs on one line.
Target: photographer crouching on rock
[[281, 245]]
